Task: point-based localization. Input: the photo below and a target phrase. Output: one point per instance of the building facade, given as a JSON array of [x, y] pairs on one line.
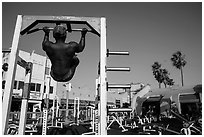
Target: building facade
[[40, 69]]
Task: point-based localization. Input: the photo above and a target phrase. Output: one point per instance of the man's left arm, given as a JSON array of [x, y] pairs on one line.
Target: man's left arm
[[46, 41]]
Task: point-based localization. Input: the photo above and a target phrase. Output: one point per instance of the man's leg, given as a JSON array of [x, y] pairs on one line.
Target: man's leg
[[70, 74]]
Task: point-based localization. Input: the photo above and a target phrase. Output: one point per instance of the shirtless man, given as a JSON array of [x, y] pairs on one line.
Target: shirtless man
[[62, 55]]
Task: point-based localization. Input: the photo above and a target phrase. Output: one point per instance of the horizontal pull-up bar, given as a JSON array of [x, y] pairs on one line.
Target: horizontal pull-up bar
[[117, 52], [118, 86], [37, 29], [117, 68]]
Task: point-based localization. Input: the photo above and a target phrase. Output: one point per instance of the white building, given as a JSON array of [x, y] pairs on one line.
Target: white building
[[41, 68]]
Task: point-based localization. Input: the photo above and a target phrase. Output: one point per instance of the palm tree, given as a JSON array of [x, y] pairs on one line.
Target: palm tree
[[161, 75], [169, 82], [157, 72], [166, 79], [179, 62], [165, 76]]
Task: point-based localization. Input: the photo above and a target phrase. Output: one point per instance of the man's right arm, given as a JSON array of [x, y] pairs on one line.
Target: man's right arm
[[80, 47]]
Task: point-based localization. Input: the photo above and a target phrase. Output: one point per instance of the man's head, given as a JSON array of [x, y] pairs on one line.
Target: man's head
[[59, 32]]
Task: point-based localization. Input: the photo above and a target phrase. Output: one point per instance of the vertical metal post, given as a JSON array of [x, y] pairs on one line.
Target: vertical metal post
[[179, 104], [26, 95], [103, 80], [57, 108], [96, 109], [45, 110], [11, 76], [76, 109], [93, 119], [68, 89], [53, 110]]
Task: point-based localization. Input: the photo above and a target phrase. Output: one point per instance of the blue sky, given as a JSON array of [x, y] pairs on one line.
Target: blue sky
[[149, 31]]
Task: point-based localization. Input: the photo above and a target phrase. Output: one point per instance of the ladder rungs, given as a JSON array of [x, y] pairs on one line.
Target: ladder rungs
[[117, 52], [117, 86], [6, 51], [119, 109], [117, 68]]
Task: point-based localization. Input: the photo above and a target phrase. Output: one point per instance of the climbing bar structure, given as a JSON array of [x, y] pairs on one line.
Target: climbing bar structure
[[117, 68], [119, 86], [29, 24], [117, 53]]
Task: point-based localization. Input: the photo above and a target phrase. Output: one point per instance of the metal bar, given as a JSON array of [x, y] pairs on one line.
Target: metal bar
[[81, 30], [67, 30], [117, 86], [24, 105], [35, 99], [117, 68], [68, 89], [117, 52], [45, 110], [179, 116], [53, 110], [31, 21], [51, 29], [6, 51], [103, 86], [10, 77], [76, 110], [119, 110], [179, 104], [97, 106]]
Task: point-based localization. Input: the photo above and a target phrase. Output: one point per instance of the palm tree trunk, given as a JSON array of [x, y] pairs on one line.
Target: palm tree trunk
[[165, 85], [159, 85], [182, 76]]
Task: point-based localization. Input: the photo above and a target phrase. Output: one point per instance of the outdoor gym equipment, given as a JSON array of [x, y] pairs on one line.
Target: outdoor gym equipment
[[38, 29], [68, 89], [96, 26], [76, 110], [25, 95], [45, 109], [25, 24], [118, 119], [188, 129]]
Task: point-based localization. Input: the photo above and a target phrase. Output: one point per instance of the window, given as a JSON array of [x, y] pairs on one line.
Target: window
[[32, 86], [117, 103], [38, 87], [51, 89], [15, 85], [20, 85], [47, 70], [44, 89], [3, 84]]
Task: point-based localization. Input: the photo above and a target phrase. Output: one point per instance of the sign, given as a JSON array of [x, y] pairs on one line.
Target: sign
[[35, 95], [16, 95], [21, 62]]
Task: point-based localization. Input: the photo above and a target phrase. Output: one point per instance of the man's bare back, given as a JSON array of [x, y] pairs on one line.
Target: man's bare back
[[61, 54]]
